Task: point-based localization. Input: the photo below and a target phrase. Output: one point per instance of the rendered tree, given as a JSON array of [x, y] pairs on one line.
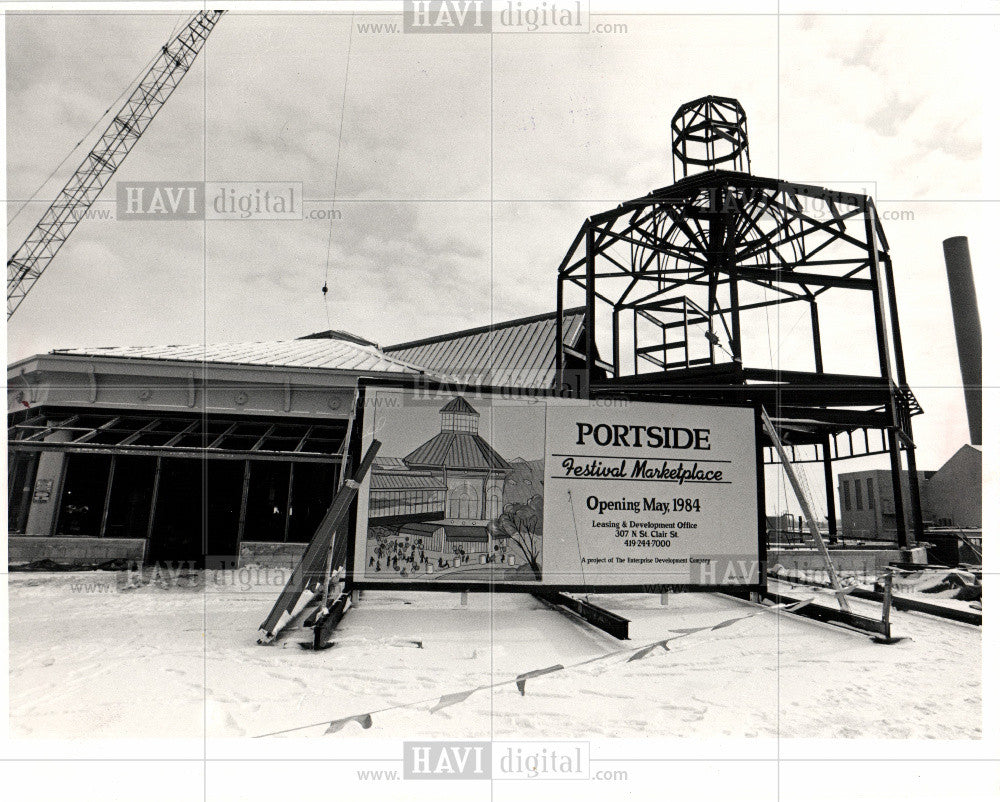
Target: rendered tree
[[522, 524]]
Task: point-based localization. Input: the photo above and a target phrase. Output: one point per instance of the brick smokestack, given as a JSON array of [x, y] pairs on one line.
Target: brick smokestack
[[968, 332]]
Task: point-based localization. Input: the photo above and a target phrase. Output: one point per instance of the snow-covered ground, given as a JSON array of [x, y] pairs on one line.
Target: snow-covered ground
[[181, 659]]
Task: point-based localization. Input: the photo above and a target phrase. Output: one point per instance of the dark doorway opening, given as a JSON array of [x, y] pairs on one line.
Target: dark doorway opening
[[197, 516], [177, 520], [131, 497], [224, 497], [84, 490], [267, 501], [312, 492]]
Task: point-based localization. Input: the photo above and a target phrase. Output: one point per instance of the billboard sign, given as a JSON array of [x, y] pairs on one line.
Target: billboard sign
[[479, 488]]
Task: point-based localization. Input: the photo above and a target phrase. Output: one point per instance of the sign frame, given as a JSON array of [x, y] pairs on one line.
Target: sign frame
[[422, 382]]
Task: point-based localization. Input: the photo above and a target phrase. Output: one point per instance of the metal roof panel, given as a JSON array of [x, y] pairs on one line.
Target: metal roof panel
[[516, 352], [320, 354]]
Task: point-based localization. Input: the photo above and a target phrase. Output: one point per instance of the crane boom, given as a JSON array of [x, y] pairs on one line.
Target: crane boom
[[71, 204]]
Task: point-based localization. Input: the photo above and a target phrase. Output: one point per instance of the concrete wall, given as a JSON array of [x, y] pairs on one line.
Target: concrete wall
[[271, 555], [88, 551], [858, 561], [82, 551]]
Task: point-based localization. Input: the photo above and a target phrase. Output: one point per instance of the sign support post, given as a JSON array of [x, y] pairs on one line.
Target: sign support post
[[811, 520], [309, 566]]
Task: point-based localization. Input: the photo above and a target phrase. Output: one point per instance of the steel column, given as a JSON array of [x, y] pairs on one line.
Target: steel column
[[902, 535], [831, 493], [817, 342], [590, 314]]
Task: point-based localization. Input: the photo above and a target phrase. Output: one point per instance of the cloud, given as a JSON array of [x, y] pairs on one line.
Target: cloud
[[891, 114], [866, 52], [957, 138]]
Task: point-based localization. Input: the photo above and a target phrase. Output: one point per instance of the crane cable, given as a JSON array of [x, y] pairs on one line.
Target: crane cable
[[336, 173], [114, 105]]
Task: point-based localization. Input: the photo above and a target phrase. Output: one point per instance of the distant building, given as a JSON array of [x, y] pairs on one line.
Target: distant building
[[867, 508], [954, 494], [950, 496]]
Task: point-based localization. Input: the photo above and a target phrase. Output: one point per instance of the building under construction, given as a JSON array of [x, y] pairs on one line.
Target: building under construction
[[205, 453], [192, 453]]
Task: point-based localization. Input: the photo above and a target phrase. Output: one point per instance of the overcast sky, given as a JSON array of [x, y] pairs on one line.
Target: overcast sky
[[551, 127]]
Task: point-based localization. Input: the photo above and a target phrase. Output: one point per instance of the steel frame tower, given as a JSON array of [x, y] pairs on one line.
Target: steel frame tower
[[675, 282]]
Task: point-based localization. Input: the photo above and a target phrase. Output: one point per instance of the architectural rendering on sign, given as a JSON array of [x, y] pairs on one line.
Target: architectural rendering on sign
[[452, 508], [482, 488]]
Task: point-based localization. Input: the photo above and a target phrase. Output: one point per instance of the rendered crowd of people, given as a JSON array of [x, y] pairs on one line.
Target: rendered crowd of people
[[408, 557]]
